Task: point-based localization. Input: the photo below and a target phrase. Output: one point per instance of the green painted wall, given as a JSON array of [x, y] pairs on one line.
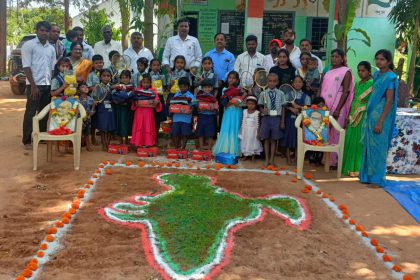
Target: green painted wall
[[382, 34], [300, 28]]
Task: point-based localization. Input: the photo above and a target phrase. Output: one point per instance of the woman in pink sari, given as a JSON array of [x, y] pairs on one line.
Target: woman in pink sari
[[338, 90]]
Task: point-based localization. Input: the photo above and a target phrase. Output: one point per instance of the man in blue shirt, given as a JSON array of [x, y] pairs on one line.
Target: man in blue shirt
[[223, 60]]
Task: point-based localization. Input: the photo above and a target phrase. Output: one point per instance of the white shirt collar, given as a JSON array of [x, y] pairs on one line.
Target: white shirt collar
[[39, 42], [186, 38]]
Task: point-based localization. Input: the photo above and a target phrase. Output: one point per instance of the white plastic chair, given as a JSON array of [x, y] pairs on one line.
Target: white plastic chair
[[75, 138], [303, 147]]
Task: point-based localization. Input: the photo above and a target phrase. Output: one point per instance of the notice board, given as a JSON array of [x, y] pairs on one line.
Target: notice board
[[232, 23], [274, 23]]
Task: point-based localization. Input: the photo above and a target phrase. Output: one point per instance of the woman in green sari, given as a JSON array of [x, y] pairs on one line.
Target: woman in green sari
[[352, 147]]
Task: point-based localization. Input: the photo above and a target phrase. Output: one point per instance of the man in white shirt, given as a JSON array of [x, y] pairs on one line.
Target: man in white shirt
[[107, 45], [289, 37], [248, 61], [182, 44], [137, 50], [306, 46], [87, 49], [38, 59]]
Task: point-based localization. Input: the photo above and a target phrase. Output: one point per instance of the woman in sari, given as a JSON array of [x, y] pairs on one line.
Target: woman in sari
[[337, 89], [81, 66], [352, 148], [379, 121]]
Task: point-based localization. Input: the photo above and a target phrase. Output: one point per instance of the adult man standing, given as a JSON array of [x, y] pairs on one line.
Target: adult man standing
[[137, 50], [289, 37], [107, 45], [306, 46], [38, 59], [182, 44], [54, 40], [87, 49], [223, 60], [250, 60]]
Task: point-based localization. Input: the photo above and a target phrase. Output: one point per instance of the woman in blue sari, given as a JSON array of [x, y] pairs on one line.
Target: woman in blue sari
[[379, 121]]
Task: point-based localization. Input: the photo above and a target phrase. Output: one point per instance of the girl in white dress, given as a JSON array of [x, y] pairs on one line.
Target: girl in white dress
[[250, 144]]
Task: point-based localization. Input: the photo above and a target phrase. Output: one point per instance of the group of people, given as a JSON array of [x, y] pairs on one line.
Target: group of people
[[215, 105]]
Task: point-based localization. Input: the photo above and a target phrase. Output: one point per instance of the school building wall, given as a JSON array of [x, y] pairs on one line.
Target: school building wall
[[370, 17]]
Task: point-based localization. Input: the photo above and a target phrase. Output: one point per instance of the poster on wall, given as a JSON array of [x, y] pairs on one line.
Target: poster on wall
[[274, 23], [376, 8], [234, 23], [300, 7]]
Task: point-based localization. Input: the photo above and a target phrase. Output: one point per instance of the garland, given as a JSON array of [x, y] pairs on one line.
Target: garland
[[317, 132]]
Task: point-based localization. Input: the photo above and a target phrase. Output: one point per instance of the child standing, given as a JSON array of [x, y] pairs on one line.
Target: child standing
[[93, 78], [104, 117], [228, 141], [159, 84], [181, 123], [177, 73], [144, 132], [122, 112], [272, 101], [142, 64], [206, 124], [313, 77], [250, 144], [87, 103], [289, 117], [58, 85], [284, 69], [113, 55], [208, 74]]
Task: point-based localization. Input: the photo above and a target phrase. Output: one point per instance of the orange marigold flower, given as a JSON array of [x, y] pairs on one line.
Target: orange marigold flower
[[307, 175], [306, 190], [59, 224], [52, 230], [332, 199], [27, 273], [101, 166], [294, 180], [65, 220], [40, 254], [87, 186], [72, 211], [270, 167], [177, 164], [407, 277], [128, 163], [380, 250], [324, 195], [108, 171], [97, 171], [43, 246], [20, 277], [396, 268], [161, 164], [318, 192], [105, 162], [365, 234], [49, 238], [32, 266], [75, 205], [66, 215], [352, 222], [141, 164], [190, 165], [208, 167], [309, 187], [90, 182], [277, 173], [282, 168], [112, 162], [387, 258], [94, 176], [345, 211], [342, 207], [374, 242], [359, 228], [219, 166], [345, 217], [169, 164]]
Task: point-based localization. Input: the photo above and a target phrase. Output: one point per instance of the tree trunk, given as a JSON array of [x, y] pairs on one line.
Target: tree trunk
[[148, 24], [412, 68], [3, 34], [66, 16], [125, 22], [342, 18]]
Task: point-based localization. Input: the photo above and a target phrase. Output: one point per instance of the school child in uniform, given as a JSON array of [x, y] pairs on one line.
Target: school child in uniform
[[289, 117], [87, 102], [272, 101], [57, 82], [208, 74], [114, 71], [142, 64], [181, 123], [120, 98], [93, 77], [177, 73], [104, 120], [144, 132], [206, 125]]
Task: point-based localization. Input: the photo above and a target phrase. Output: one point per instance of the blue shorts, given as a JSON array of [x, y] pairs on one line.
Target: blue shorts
[[270, 128], [206, 125], [181, 129]]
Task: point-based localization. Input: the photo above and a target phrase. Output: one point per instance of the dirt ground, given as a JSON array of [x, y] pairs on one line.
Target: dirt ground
[[29, 200]]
